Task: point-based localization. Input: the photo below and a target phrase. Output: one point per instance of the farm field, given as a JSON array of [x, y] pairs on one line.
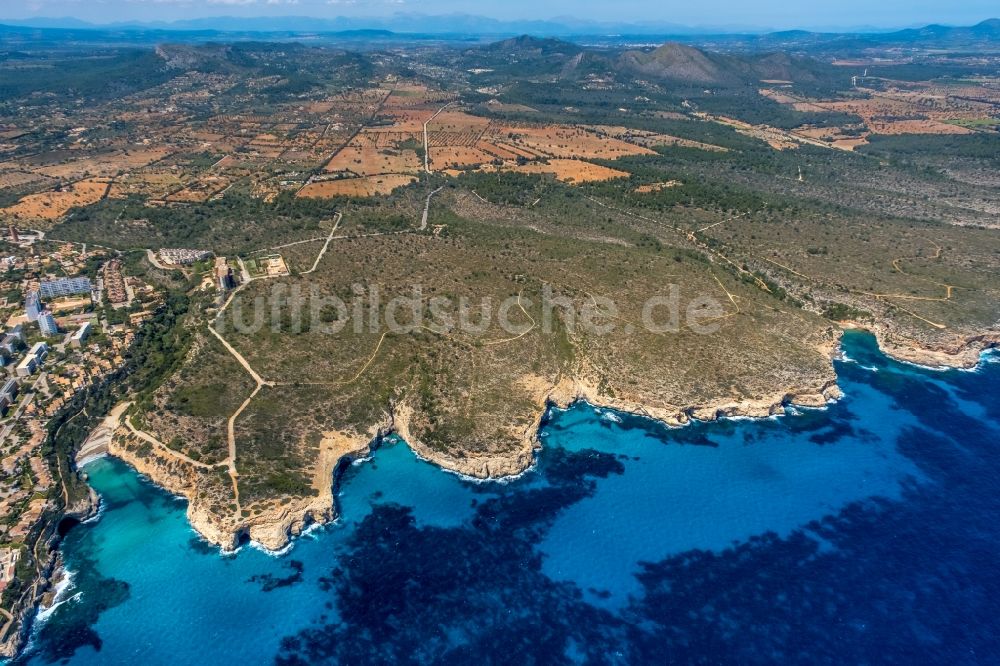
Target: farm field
[[108, 164], [916, 109], [200, 190], [371, 161], [650, 139], [54, 204], [570, 171], [366, 186], [568, 142], [154, 184]]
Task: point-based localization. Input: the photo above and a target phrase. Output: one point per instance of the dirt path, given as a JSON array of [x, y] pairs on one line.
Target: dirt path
[[885, 297], [897, 266], [292, 244], [691, 238], [230, 462], [787, 268], [427, 209], [260, 382], [715, 224], [534, 325], [6, 625], [231, 435], [146, 437], [326, 245], [427, 146], [369, 362], [151, 256], [239, 358]]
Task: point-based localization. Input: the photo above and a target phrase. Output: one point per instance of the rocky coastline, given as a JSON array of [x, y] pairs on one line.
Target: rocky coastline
[[42, 593], [958, 351], [273, 529]]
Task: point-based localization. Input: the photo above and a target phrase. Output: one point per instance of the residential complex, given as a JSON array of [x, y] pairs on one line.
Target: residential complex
[[7, 395], [81, 335], [64, 287], [47, 324], [32, 306], [224, 275], [183, 257], [30, 363], [39, 378], [114, 283]]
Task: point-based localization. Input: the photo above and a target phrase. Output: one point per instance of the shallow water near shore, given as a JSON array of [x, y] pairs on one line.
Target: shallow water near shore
[[869, 530]]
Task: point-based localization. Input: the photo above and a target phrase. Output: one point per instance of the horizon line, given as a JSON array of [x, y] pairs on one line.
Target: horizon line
[[661, 27]]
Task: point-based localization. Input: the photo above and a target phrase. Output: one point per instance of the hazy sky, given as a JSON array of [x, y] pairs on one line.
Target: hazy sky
[[759, 13]]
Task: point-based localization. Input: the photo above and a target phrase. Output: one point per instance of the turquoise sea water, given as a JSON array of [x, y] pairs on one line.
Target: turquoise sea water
[[867, 531]]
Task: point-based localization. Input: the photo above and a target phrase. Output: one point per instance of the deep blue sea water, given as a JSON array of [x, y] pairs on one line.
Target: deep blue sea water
[[867, 532]]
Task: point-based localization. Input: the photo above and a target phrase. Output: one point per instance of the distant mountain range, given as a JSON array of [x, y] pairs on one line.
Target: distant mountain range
[[467, 24], [672, 62], [451, 24], [460, 27]]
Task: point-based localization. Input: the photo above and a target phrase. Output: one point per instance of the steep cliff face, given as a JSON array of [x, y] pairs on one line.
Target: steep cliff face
[[218, 516], [213, 510], [15, 627], [954, 350]]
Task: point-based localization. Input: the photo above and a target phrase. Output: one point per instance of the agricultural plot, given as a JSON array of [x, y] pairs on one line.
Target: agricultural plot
[[922, 109], [459, 141], [569, 142], [200, 190], [657, 187], [374, 138], [886, 115], [835, 136], [651, 139], [155, 184], [460, 157], [107, 164], [56, 203], [571, 171], [370, 161], [18, 179], [405, 120], [366, 186], [268, 145]]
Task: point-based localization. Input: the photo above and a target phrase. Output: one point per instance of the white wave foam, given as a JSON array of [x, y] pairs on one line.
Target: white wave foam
[[45, 613], [64, 585], [934, 368], [97, 514], [273, 553], [986, 357], [503, 480]]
